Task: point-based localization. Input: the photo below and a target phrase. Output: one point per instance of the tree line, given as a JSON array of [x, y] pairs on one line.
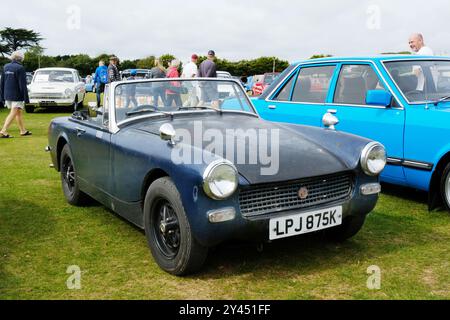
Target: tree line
[[29, 40]]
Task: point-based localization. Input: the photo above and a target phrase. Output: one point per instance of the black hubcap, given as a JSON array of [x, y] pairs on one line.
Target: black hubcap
[[166, 228]]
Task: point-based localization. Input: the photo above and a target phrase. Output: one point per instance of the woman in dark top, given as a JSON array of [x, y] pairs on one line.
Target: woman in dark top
[[158, 72]]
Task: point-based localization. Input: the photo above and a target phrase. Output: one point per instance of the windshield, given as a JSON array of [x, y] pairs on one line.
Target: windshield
[[269, 78], [421, 81], [54, 76], [134, 99]]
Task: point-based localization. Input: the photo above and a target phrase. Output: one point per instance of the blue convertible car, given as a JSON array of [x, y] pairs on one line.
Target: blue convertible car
[[193, 175], [401, 101]]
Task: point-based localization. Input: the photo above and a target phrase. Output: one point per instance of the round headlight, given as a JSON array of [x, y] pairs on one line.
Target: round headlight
[[373, 158], [220, 180], [68, 93]]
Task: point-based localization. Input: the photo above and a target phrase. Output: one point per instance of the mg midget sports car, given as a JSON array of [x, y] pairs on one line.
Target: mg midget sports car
[[128, 159], [401, 101]]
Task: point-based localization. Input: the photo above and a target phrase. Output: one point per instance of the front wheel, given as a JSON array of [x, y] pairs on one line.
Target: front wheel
[[69, 179], [349, 228], [168, 232], [445, 186]]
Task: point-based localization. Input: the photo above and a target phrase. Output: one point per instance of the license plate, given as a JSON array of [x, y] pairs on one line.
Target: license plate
[[304, 223]]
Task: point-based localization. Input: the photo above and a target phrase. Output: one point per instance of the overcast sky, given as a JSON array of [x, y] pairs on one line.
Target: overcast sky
[[235, 29]]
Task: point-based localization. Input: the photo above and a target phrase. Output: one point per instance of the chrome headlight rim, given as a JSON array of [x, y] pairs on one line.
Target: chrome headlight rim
[[207, 179], [68, 93], [365, 158]]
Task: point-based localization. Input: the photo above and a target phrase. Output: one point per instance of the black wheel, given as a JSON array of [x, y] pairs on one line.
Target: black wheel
[[445, 186], [69, 181], [168, 231], [349, 228], [29, 108]]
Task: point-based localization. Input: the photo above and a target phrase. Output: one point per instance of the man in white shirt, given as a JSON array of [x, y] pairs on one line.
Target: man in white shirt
[[190, 70], [417, 45]]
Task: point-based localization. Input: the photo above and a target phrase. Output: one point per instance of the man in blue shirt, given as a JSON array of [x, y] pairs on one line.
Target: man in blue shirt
[[14, 91], [100, 80]]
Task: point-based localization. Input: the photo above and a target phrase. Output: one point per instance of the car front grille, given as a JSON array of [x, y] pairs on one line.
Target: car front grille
[[272, 198], [46, 96]]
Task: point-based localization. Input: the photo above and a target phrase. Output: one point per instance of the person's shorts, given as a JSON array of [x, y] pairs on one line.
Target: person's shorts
[[15, 105]]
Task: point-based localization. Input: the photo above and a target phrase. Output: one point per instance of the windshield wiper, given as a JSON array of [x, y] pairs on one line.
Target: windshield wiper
[[441, 100], [200, 107]]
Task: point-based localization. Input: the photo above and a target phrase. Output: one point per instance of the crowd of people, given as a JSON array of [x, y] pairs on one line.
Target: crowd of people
[[14, 92], [207, 69]]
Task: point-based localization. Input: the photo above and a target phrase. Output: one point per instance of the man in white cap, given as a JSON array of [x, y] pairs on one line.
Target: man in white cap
[[14, 91]]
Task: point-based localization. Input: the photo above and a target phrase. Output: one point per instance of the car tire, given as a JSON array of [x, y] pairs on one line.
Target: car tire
[[445, 186], [169, 234], [29, 108], [349, 228], [69, 180]]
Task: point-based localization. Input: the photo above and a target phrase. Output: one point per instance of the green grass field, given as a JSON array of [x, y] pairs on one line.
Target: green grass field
[[41, 236]]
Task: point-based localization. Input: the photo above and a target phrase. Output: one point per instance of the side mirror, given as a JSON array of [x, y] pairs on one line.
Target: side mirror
[[329, 120], [167, 133], [379, 98]]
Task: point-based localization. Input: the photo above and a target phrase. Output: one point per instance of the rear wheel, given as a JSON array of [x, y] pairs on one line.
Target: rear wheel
[[445, 186], [168, 231], [349, 228], [69, 179], [29, 108]]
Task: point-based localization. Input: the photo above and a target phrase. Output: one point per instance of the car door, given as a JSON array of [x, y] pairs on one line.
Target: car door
[[380, 123], [92, 155], [301, 98]]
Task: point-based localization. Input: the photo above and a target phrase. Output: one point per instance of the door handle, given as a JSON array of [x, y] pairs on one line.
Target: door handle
[[272, 107], [80, 131]]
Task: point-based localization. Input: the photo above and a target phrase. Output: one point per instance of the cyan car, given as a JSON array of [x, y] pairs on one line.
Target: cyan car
[[401, 101], [194, 176]]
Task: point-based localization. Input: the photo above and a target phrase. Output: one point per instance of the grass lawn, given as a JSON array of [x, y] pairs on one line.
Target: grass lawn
[[41, 236]]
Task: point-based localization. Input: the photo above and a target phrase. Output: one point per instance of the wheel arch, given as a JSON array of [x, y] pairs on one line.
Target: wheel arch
[[62, 141], [434, 196], [151, 177]]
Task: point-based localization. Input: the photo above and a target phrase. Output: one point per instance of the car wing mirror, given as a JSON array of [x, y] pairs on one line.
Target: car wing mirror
[[167, 133], [379, 98]]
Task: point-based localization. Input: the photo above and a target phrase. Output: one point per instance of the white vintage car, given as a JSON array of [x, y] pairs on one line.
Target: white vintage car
[[53, 87]]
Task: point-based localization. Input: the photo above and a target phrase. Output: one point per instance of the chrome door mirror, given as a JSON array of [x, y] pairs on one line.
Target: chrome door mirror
[[167, 133], [329, 120]]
